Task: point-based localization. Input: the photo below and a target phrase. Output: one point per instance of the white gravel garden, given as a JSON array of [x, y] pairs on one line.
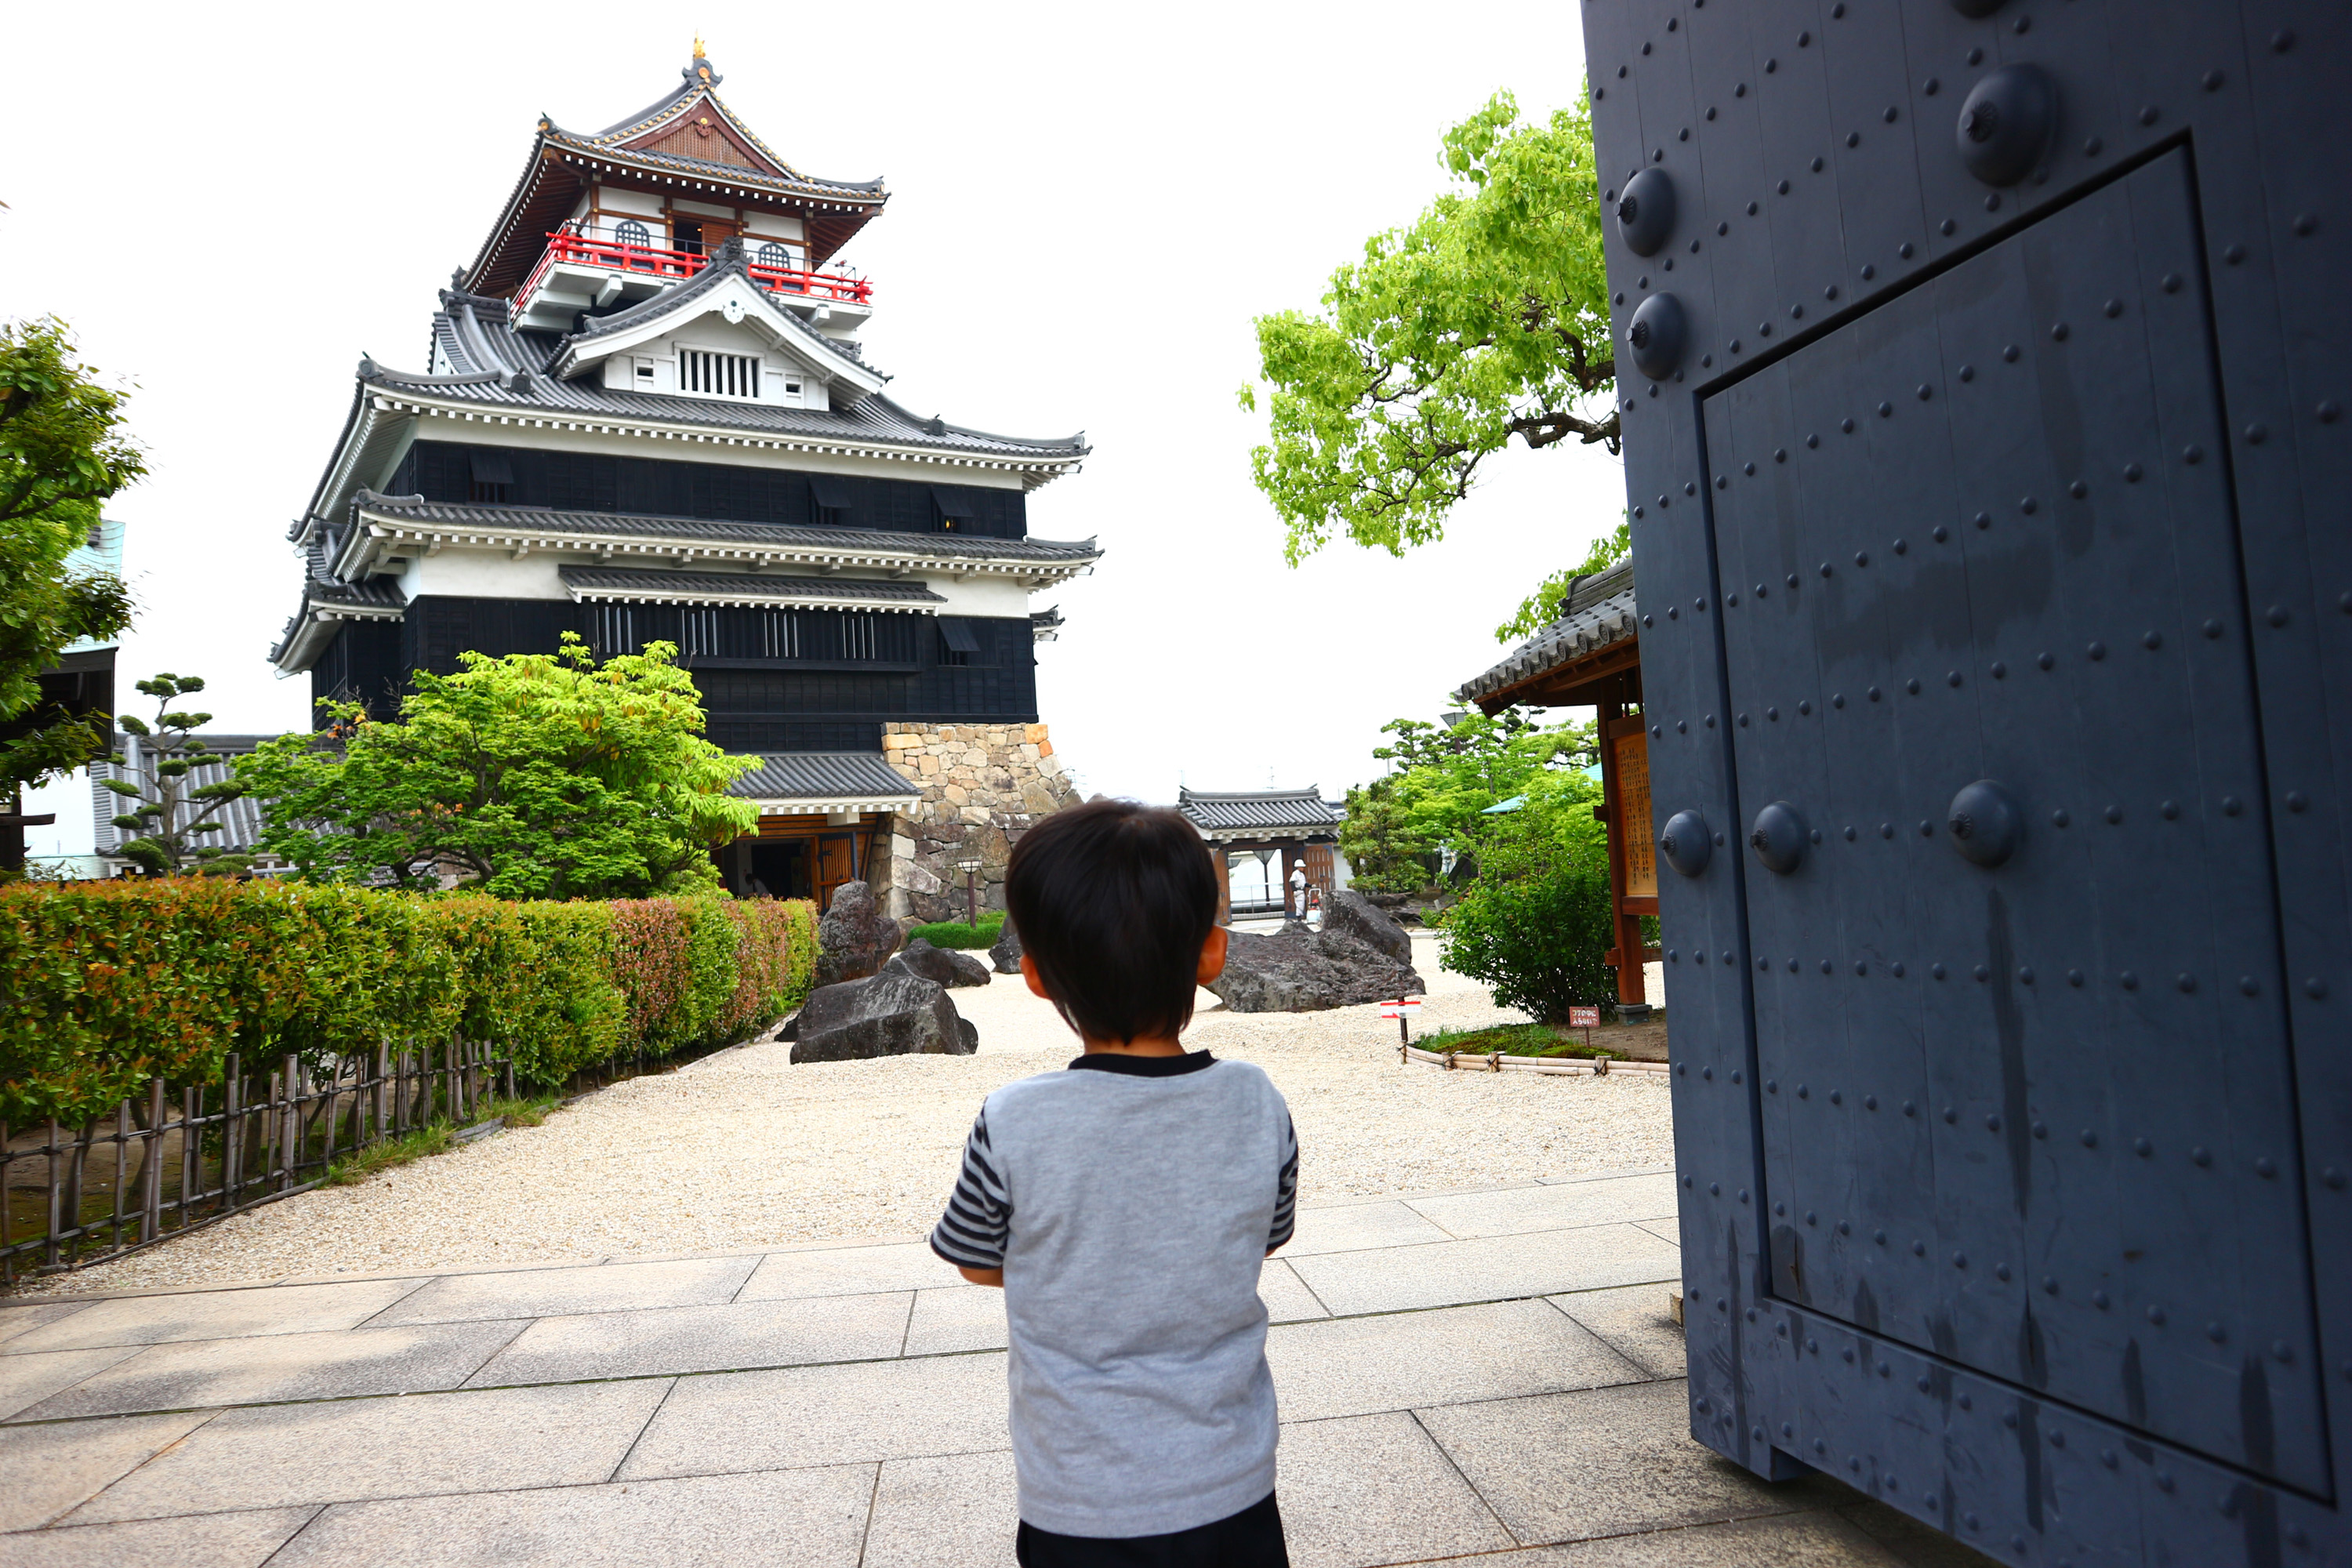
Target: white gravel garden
[[743, 1150]]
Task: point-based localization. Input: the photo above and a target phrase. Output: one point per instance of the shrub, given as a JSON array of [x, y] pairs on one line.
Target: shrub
[[113, 984], [1534, 924], [956, 933]]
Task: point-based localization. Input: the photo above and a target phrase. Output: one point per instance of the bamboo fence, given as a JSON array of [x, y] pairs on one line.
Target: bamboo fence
[[159, 1167]]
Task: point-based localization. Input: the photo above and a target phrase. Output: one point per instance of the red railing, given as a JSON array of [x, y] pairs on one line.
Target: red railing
[[612, 256]]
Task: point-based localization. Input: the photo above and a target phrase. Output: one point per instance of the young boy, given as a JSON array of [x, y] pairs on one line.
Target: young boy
[[1125, 1205]]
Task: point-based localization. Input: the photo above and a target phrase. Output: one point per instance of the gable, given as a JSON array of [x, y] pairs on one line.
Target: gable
[[702, 133]]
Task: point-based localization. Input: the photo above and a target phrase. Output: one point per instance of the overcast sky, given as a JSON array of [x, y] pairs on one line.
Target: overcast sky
[[1088, 206]]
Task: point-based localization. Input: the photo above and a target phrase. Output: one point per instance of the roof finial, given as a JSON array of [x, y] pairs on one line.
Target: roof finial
[[699, 69]]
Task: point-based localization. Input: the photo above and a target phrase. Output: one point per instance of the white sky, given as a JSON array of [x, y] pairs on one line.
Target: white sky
[[1089, 204]]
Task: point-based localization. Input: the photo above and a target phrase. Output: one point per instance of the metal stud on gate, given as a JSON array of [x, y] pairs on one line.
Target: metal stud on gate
[[2006, 124], [1779, 838], [1985, 823], [1656, 336], [1686, 844], [1645, 212]]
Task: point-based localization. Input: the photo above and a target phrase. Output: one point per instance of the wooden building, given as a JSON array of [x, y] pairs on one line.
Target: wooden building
[[646, 416], [1592, 657], [1297, 826]]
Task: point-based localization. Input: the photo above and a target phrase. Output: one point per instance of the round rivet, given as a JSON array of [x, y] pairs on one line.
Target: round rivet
[[2129, 980]]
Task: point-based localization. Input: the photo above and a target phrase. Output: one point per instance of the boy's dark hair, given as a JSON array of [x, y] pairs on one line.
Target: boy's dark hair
[[1113, 900]]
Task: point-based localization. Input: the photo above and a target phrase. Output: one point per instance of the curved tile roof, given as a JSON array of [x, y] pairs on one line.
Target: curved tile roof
[[638, 585], [530, 520], [1597, 612], [817, 776], [1268, 810]]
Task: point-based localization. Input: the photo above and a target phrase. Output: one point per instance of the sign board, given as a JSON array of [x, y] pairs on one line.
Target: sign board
[[1633, 752], [1584, 1018], [1405, 1008]]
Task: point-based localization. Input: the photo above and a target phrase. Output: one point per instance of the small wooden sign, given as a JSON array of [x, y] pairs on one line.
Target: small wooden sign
[[1584, 1018]]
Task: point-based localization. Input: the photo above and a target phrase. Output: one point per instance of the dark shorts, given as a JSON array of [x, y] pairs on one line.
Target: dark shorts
[[1250, 1539]]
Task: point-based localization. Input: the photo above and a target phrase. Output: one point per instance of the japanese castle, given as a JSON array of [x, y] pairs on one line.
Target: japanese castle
[[647, 415]]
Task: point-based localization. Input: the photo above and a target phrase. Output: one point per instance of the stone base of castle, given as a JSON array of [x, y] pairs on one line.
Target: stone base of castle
[[983, 785]]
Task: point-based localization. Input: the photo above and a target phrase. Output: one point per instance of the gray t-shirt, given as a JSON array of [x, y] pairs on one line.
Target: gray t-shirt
[[1131, 1202]]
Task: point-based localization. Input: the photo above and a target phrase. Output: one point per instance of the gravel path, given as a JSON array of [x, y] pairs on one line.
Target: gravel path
[[743, 1150]]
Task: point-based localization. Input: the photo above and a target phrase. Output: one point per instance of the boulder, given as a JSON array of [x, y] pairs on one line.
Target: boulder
[[894, 1012], [943, 964], [1303, 971], [854, 936], [1349, 914], [1006, 953]]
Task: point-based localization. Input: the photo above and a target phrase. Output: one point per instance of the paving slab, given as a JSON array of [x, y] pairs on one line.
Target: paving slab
[[1288, 1300], [1375, 1489], [1816, 1540], [1518, 1210], [825, 1415], [190, 1374], [724, 1337], [1636, 1321], [963, 1319], [852, 1271], [17, 1319], [355, 1449], [1351, 1228], [214, 1315], [551, 1292], [52, 1468], [1491, 1268], [959, 1511], [1354, 1366], [1609, 1461], [810, 1519], [1669, 1229], [26, 1380], [214, 1541]]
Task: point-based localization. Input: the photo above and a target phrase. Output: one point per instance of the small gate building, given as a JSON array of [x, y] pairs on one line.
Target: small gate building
[[644, 414], [1297, 825]]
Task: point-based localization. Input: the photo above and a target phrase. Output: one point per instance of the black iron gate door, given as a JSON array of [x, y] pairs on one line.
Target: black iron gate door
[[1982, 370]]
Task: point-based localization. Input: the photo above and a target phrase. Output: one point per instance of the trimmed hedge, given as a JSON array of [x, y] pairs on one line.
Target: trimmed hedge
[[113, 984], [956, 933]]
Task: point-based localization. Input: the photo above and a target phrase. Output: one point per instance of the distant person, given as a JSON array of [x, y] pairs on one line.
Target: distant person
[[1298, 891], [1126, 1205]]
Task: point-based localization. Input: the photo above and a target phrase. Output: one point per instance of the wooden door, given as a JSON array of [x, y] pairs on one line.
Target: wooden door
[[836, 862]]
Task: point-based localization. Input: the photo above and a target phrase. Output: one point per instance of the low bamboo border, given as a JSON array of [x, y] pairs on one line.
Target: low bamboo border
[[1502, 1061]]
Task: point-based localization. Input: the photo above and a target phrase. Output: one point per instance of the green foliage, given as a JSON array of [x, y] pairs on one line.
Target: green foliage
[[169, 817], [1545, 606], [956, 933], [537, 776], [437, 1138], [1445, 777], [62, 453], [1487, 319], [1534, 924], [113, 984], [1516, 1040]]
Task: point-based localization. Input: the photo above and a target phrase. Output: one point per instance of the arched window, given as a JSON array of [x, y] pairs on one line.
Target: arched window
[[774, 255], [631, 232]]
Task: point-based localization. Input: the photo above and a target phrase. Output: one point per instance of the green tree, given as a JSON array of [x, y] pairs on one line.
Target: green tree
[[1486, 321], [1543, 607], [63, 452], [536, 775], [172, 819], [1534, 924], [1443, 777]]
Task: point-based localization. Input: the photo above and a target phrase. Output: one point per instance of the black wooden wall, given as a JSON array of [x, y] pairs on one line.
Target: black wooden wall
[[818, 703], [578, 481], [1983, 368]]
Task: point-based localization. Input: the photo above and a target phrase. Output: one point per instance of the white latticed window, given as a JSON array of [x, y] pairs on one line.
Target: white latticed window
[[701, 633], [612, 630], [780, 635], [858, 636], [719, 375]]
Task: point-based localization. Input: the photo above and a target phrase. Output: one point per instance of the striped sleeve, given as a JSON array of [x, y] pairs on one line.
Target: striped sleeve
[[971, 1233], [1286, 1189]]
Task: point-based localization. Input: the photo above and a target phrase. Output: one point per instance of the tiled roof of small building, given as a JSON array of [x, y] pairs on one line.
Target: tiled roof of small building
[[823, 776], [240, 818], [1597, 612], [1266, 809]]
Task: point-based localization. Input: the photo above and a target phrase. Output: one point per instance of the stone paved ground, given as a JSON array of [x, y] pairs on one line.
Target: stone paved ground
[[1489, 1377]]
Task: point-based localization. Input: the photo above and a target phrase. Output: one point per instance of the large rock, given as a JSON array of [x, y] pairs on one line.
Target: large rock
[[1349, 914], [943, 964], [854, 938], [1006, 953], [895, 1011], [1303, 971]]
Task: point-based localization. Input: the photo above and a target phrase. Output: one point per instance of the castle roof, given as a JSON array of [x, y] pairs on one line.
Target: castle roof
[[1252, 814]]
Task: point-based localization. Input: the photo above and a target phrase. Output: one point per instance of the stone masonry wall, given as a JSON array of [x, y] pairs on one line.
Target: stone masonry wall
[[983, 785]]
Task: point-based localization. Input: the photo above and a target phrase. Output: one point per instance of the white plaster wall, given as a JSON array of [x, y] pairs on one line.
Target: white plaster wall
[[637, 204], [773, 226], [980, 596], [488, 574], [700, 210]]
